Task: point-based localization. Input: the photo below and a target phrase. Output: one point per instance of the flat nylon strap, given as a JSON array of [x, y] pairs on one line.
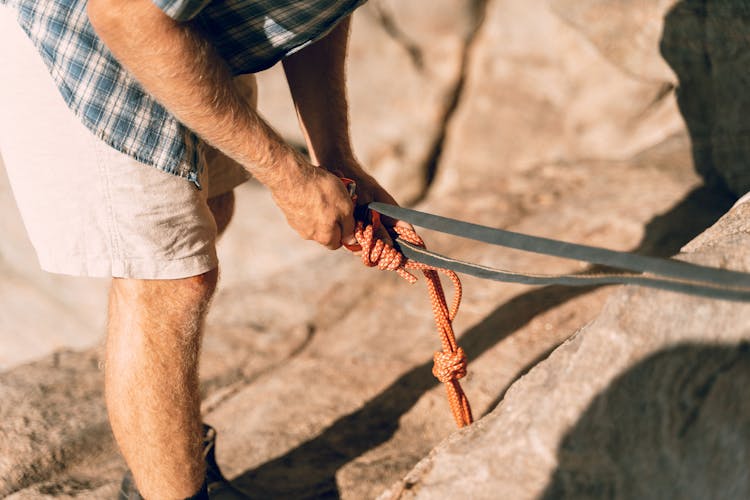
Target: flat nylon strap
[[664, 274]]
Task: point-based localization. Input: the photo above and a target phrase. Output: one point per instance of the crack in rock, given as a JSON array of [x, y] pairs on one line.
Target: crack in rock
[[432, 161], [389, 25]]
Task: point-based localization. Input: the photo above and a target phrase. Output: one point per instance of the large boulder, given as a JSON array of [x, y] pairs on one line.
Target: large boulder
[[706, 44], [648, 401]]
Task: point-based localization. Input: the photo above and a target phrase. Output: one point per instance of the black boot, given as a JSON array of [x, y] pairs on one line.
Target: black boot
[[215, 487]]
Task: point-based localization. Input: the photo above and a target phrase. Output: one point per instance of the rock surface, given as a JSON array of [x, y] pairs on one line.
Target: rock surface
[[706, 43], [626, 33], [316, 371], [335, 394], [576, 104], [648, 401]]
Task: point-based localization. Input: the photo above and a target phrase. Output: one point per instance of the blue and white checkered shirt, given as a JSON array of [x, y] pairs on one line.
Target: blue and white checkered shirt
[[251, 35]]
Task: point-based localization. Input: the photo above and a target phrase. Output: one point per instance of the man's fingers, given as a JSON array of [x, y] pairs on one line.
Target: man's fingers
[[332, 239], [382, 233], [347, 230], [404, 224], [391, 222]]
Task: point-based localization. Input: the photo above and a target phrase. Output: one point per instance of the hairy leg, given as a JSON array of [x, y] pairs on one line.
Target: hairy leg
[[153, 344], [151, 380]]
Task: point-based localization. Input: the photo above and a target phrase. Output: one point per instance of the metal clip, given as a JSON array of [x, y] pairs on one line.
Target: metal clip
[[351, 188]]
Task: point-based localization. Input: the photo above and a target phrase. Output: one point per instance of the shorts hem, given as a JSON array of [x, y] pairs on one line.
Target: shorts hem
[[137, 268]]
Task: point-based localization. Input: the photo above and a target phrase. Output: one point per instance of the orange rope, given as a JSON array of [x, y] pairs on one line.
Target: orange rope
[[450, 363]]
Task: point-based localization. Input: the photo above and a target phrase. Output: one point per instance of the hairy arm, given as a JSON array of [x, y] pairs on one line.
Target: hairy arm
[[317, 80], [181, 70]]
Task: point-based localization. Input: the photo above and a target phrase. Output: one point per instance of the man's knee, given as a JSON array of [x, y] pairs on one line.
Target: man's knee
[[199, 288], [163, 304]]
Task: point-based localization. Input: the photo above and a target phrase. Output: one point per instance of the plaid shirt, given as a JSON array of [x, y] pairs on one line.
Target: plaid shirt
[[251, 35]]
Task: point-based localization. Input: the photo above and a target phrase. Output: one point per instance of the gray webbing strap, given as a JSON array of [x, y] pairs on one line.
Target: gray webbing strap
[[665, 274]]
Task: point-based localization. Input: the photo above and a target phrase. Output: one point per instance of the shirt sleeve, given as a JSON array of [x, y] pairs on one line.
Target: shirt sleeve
[[181, 10]]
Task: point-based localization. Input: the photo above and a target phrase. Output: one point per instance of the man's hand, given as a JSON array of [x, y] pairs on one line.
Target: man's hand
[[318, 207], [318, 86], [369, 190]]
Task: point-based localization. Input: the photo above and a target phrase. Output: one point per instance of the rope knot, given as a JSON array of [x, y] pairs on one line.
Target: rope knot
[[450, 363], [375, 252], [449, 366]]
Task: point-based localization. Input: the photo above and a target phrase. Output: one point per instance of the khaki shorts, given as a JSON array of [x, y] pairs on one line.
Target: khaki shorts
[[90, 210]]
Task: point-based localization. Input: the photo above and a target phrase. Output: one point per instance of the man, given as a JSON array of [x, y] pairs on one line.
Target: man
[[133, 83]]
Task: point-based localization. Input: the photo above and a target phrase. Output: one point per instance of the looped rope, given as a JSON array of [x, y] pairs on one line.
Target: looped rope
[[450, 363]]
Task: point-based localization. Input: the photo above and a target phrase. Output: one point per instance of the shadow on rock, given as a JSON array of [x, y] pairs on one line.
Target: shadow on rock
[[309, 470], [664, 236], [707, 44], [675, 425]]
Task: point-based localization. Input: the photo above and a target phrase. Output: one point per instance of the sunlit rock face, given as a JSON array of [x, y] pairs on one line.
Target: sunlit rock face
[[644, 402], [554, 118]]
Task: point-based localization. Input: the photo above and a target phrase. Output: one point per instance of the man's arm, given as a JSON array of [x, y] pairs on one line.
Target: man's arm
[[183, 72], [317, 80]]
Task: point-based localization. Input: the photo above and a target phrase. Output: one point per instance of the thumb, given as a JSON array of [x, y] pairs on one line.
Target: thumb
[[347, 231]]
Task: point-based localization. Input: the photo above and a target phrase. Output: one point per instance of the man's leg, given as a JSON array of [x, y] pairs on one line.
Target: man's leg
[[91, 210], [153, 343], [152, 394]]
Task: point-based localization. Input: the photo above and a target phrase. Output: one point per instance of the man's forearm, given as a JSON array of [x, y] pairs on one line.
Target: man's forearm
[[185, 74], [317, 80]]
